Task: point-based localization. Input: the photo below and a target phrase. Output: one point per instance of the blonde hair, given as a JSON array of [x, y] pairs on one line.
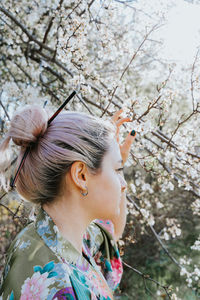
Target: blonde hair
[[71, 136]]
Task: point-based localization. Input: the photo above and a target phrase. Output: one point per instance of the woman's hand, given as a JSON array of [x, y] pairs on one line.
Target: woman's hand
[[119, 221], [126, 146]]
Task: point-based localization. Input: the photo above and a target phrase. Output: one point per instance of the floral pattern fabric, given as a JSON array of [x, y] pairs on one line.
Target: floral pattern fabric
[[41, 264]]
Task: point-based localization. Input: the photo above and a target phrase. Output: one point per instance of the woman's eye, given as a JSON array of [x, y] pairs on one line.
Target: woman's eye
[[120, 170]]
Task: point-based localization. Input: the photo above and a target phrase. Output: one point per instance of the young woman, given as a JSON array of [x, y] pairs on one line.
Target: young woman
[[73, 172]]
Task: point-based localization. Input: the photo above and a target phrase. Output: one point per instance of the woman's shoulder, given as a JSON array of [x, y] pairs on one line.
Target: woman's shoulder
[[27, 240], [27, 258], [100, 243]]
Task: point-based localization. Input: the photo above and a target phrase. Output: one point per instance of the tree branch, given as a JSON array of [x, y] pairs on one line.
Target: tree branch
[[191, 80], [147, 277], [154, 233], [5, 111], [24, 29], [130, 62]]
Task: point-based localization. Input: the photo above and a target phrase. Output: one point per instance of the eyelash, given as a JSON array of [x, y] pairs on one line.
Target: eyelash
[[120, 169]]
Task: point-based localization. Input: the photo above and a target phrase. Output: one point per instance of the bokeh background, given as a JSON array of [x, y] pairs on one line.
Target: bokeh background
[[142, 56]]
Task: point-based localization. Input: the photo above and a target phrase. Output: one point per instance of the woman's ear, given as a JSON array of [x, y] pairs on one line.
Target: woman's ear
[[79, 174]]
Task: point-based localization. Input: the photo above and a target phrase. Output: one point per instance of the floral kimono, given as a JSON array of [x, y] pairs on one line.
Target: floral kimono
[[41, 264]]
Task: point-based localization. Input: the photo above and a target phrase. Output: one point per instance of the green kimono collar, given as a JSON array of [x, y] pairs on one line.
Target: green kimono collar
[[61, 247]]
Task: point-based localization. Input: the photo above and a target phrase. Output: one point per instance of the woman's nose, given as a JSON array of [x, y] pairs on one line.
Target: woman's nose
[[123, 184]]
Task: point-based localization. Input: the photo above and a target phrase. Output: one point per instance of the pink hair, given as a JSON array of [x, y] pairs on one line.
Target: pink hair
[[72, 136]]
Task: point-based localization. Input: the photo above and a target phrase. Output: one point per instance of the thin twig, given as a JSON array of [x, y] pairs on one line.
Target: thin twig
[[20, 67], [3, 195], [12, 213], [51, 23], [128, 65], [58, 27], [54, 60], [24, 29], [147, 277], [180, 123], [191, 80], [83, 11], [83, 102], [6, 113], [8, 209], [150, 106], [159, 134], [155, 234]]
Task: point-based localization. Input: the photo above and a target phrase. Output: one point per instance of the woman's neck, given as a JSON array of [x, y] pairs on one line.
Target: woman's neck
[[70, 220]]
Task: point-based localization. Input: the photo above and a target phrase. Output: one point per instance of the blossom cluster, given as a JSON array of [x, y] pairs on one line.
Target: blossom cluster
[[110, 53]]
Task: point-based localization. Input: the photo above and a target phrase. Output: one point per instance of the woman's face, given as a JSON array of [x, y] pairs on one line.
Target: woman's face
[[106, 189]]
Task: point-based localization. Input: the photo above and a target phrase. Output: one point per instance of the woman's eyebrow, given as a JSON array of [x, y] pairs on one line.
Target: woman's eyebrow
[[120, 161]]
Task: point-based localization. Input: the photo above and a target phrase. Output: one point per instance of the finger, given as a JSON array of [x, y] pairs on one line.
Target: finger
[[117, 134], [126, 146], [116, 115], [121, 121]]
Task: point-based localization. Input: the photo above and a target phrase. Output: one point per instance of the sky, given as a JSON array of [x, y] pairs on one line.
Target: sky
[[182, 32]]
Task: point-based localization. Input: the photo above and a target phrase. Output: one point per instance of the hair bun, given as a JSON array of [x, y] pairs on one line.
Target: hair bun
[[28, 124]]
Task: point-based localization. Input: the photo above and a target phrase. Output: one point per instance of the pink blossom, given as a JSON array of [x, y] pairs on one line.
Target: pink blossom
[[36, 287]]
